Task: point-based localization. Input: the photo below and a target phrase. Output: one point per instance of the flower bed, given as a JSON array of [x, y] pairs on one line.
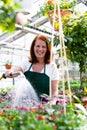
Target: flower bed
[[43, 116]]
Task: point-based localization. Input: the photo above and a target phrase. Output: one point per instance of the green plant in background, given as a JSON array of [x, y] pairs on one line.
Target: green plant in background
[[8, 62], [5, 95], [47, 9], [75, 88], [48, 6], [84, 81], [84, 85], [75, 32], [8, 10], [74, 83], [5, 90]]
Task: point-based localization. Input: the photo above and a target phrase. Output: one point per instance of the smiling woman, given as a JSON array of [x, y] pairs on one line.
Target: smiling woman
[[38, 69]]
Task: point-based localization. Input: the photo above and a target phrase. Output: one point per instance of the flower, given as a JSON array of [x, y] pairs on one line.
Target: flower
[[46, 116], [49, 5], [47, 9]]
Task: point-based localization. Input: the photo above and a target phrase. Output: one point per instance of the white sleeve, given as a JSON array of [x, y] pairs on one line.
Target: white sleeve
[[25, 65], [54, 72]]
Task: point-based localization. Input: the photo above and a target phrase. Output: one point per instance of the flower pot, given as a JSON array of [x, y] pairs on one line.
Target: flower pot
[[8, 66], [65, 13]]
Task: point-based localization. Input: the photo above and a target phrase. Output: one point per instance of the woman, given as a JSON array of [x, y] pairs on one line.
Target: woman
[[38, 69]]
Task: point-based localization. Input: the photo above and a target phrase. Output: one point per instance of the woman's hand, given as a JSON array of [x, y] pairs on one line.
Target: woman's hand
[[13, 72], [11, 75]]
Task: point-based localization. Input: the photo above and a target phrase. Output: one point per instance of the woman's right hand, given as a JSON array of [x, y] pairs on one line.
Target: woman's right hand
[[14, 72], [8, 74]]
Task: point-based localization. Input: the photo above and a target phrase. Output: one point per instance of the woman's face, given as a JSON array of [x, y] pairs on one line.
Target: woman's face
[[40, 49]]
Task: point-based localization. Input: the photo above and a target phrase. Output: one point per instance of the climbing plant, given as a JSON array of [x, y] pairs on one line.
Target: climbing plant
[[75, 35]]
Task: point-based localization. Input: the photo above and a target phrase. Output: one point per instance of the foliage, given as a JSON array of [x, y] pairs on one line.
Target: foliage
[[47, 9], [44, 115], [49, 5], [20, 120], [74, 83], [84, 85], [76, 89], [75, 36], [75, 31], [8, 62], [8, 10], [5, 90], [84, 81], [5, 94]]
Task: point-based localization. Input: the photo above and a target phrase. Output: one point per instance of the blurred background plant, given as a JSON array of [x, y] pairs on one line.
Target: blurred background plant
[[8, 64], [76, 41], [8, 10], [43, 116], [66, 9], [48, 6]]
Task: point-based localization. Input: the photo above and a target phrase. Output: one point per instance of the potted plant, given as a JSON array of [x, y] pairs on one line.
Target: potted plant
[[66, 8], [8, 64]]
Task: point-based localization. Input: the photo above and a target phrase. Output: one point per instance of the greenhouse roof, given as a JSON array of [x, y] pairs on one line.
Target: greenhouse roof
[[37, 24]]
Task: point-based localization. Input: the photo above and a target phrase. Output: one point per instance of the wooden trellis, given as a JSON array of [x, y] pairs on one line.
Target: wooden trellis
[[62, 53]]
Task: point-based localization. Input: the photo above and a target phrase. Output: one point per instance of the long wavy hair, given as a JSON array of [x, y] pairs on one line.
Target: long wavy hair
[[32, 57]]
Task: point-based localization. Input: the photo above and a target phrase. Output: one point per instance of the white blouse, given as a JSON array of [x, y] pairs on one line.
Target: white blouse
[[50, 69]]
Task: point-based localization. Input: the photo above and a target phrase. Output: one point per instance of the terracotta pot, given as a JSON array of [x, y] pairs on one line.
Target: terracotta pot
[[65, 13], [8, 66]]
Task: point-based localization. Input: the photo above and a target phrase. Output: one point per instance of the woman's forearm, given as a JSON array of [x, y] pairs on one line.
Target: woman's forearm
[[54, 90], [14, 72]]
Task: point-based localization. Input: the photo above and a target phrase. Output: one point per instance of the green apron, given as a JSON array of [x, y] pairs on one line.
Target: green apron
[[39, 81]]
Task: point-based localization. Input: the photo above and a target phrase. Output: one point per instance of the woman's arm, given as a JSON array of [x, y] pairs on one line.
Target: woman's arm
[[14, 72], [54, 90]]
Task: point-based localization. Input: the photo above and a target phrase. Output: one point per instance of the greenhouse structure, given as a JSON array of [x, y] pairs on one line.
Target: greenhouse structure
[[55, 31]]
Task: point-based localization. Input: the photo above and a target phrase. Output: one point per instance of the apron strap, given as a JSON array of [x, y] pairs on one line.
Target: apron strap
[[30, 67], [44, 68]]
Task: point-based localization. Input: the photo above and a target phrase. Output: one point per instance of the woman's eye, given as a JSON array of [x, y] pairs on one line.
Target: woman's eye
[[37, 46], [43, 46], [40, 46]]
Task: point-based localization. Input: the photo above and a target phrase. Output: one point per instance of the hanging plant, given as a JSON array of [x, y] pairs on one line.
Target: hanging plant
[[66, 8], [65, 13]]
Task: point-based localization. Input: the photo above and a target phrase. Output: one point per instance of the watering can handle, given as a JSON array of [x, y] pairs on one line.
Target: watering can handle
[[11, 75]]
